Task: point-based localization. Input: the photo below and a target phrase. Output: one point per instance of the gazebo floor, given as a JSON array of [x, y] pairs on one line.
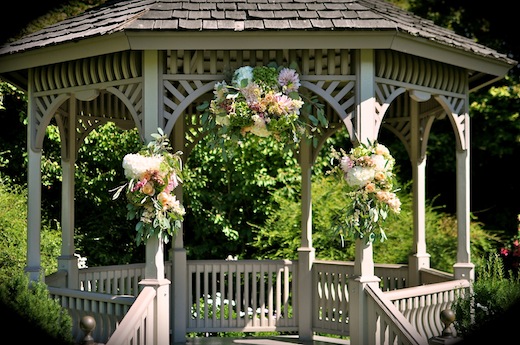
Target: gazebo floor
[[275, 340]]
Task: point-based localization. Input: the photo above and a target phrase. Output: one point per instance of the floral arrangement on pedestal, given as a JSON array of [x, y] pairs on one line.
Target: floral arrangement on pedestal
[[263, 101], [153, 173], [367, 174]]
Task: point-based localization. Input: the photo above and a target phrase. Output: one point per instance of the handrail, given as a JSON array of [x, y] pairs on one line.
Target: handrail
[[422, 305], [422, 290], [57, 279], [393, 276], [137, 325], [92, 296], [431, 276], [386, 324], [107, 310]]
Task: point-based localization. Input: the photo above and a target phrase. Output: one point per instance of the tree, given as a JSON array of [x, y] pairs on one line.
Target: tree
[[495, 125], [494, 110]]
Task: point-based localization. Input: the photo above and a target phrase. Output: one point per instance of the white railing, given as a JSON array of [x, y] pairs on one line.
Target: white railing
[[258, 295], [115, 280], [107, 310], [245, 295], [138, 324], [331, 300], [422, 305], [386, 324], [432, 276], [393, 276], [330, 296]]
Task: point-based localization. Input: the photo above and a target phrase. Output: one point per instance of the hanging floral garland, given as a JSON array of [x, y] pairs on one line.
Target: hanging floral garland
[[263, 101], [153, 173], [367, 174]]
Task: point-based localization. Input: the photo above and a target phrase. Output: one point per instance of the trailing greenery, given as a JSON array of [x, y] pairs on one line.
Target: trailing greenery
[[281, 235], [493, 294]]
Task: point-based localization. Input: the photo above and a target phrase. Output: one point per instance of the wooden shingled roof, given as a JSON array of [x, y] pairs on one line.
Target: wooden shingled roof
[[122, 25], [244, 15]]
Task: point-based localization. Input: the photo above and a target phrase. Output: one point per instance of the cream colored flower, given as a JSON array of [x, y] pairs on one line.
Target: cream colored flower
[[148, 189], [370, 188], [379, 176], [381, 150]]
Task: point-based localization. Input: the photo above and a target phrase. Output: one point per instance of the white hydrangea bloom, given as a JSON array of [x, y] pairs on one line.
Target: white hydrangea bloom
[[136, 165], [360, 176], [379, 161], [245, 72]]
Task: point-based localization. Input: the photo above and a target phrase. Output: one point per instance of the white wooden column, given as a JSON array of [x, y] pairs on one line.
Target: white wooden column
[[364, 261], [306, 252], [179, 290], [34, 197], [154, 269], [464, 269], [67, 261], [419, 257]]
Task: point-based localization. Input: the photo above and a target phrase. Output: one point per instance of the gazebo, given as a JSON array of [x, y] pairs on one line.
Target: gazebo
[[148, 63]]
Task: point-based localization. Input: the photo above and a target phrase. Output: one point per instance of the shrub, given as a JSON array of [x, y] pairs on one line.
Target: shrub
[[33, 315], [493, 295]]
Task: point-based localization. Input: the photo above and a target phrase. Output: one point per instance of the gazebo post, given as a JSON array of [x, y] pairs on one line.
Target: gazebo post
[[306, 252], [179, 270], [419, 257], [67, 261], [34, 197], [463, 268], [363, 276], [364, 128], [154, 267]]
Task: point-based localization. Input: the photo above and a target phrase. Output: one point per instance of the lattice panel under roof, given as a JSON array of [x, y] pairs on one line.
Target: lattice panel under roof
[[88, 72], [221, 62], [403, 69]]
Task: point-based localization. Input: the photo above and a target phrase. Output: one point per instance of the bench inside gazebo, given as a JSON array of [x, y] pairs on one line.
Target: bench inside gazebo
[[148, 64]]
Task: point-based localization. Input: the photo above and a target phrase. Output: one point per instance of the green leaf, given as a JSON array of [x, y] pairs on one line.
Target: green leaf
[[313, 119], [203, 106], [322, 118], [294, 95]]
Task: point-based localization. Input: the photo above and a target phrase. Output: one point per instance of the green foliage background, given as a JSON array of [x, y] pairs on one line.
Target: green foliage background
[[235, 201], [249, 205]]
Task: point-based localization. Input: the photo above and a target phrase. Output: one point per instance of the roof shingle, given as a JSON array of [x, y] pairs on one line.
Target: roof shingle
[[243, 15]]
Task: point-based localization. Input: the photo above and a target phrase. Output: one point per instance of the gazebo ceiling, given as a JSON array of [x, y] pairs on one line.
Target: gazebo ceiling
[[248, 24]]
